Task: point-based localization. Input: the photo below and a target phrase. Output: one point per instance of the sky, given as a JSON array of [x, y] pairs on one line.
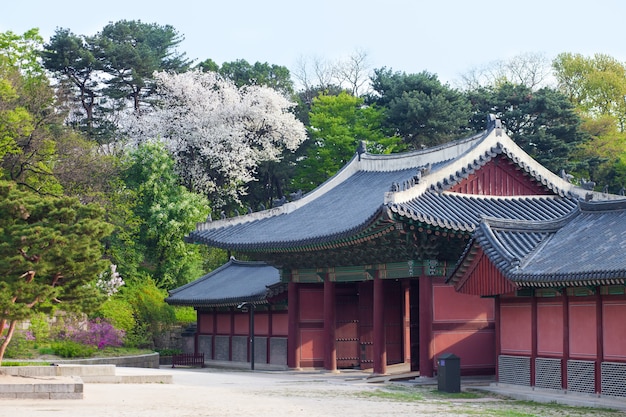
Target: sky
[[445, 37]]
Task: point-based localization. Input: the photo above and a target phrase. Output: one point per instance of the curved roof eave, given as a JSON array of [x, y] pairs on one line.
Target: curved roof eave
[[322, 241], [463, 212], [364, 162]]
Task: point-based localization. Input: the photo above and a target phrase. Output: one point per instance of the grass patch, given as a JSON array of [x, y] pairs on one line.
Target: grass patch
[[394, 393], [465, 395], [7, 363]]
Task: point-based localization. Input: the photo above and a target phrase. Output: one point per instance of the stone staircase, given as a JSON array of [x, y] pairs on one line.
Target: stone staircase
[[66, 381]]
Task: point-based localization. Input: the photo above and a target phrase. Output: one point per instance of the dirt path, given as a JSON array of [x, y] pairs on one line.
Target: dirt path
[[233, 394]]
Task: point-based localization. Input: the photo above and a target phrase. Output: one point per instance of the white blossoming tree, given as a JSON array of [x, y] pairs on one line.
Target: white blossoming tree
[[217, 133]]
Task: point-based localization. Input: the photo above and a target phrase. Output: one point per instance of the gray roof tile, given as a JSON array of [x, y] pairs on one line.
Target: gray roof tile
[[350, 201], [587, 247], [232, 283]]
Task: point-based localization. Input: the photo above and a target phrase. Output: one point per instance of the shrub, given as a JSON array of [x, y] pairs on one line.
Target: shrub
[[168, 352], [118, 312], [71, 349], [40, 328], [185, 315], [150, 310], [96, 332], [20, 345]]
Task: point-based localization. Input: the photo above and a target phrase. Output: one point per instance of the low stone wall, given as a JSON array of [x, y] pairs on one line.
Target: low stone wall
[[62, 370], [150, 360]]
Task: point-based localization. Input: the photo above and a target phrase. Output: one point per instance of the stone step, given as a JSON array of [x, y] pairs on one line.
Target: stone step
[[66, 381], [54, 388], [58, 370], [128, 379]]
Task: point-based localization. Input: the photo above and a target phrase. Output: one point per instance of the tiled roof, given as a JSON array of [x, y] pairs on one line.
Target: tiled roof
[[463, 212], [586, 248], [343, 210], [229, 285], [411, 184]]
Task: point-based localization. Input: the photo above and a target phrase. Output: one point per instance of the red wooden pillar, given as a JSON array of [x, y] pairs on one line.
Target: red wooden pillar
[[195, 336], [293, 346], [533, 340], [380, 350], [270, 334], [406, 315], [214, 333], [231, 310], [426, 359], [565, 339], [599, 341], [330, 348], [498, 333]]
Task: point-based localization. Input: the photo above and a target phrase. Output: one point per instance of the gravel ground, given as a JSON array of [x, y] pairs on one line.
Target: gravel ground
[[220, 393]]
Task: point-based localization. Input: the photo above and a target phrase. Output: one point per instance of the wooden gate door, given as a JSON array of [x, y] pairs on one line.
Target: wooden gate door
[[347, 328], [394, 334], [366, 324]]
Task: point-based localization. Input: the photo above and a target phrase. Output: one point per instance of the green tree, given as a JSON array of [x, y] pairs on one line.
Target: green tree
[[50, 255], [338, 124], [166, 211], [130, 51], [543, 123], [22, 52], [419, 108], [596, 86], [71, 58], [243, 73], [28, 116]]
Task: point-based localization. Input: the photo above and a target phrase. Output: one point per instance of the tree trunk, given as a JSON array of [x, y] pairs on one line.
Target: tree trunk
[[7, 340]]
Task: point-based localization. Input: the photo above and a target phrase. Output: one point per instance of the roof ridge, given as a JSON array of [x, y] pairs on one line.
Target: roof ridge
[[521, 225]]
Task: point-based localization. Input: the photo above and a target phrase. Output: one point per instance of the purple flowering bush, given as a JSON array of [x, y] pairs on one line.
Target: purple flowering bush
[[95, 332]]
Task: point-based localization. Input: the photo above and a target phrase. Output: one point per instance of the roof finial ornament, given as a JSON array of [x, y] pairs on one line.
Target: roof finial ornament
[[494, 123], [587, 185], [279, 202], [567, 177], [296, 196], [622, 191], [361, 149], [605, 190]]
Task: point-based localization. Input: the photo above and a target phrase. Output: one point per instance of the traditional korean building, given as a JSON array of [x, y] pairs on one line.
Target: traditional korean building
[[365, 255], [559, 295], [223, 328]]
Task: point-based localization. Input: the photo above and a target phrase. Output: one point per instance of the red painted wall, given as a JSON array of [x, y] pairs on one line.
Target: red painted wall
[[476, 349], [242, 324], [311, 347], [261, 323], [223, 323], [205, 323], [449, 305], [550, 328], [311, 325], [516, 329], [311, 302], [464, 325], [583, 329], [614, 320], [500, 177], [280, 324]]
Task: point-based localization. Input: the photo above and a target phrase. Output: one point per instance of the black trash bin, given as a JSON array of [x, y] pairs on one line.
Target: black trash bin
[[449, 373]]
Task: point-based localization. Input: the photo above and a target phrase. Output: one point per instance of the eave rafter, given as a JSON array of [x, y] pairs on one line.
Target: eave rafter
[[387, 241]]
